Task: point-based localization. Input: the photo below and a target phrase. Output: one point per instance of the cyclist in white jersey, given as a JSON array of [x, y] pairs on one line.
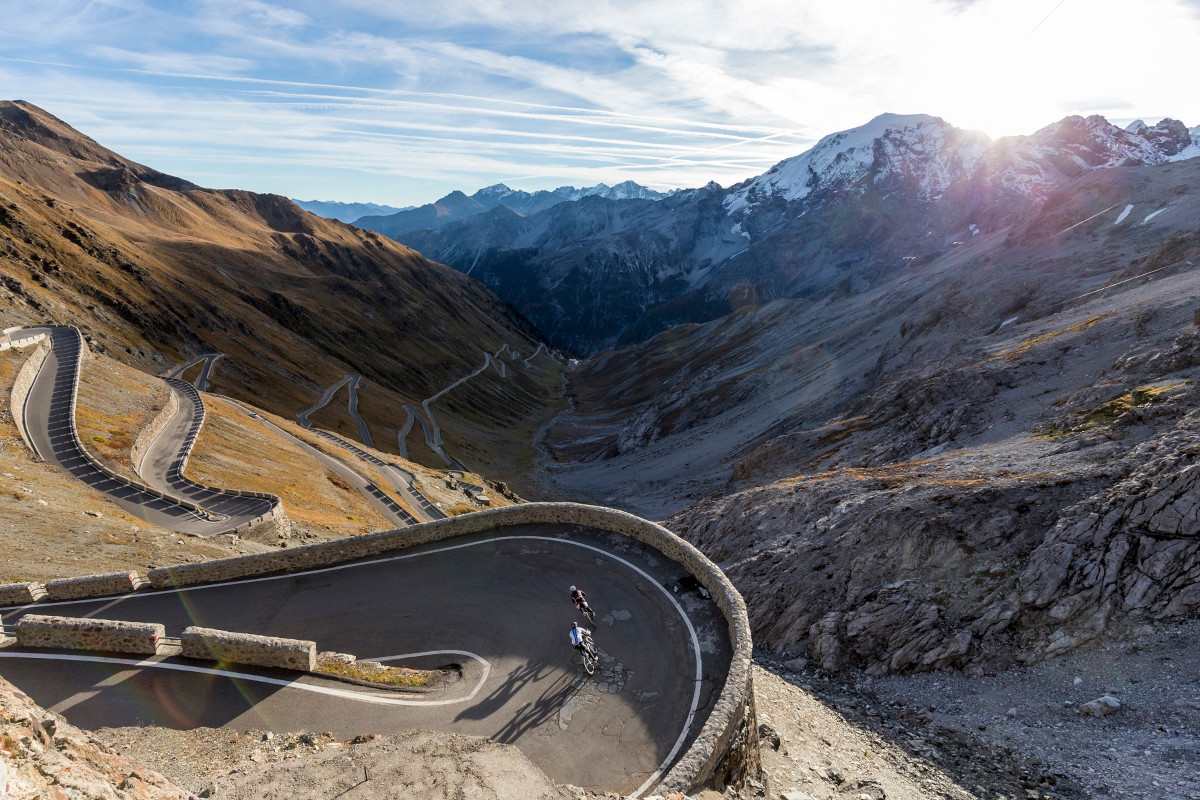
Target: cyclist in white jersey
[[579, 637]]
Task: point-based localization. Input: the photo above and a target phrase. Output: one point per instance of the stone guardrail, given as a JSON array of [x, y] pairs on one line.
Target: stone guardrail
[[277, 510], [246, 648], [78, 633], [24, 341], [726, 746], [186, 451], [21, 594], [725, 750], [145, 438], [23, 384], [96, 462], [94, 585]]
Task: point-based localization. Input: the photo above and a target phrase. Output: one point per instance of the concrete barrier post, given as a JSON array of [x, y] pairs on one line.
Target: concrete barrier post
[[246, 648], [78, 633], [21, 594]]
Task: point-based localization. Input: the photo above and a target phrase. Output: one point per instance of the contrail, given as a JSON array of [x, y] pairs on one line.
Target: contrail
[[1035, 27]]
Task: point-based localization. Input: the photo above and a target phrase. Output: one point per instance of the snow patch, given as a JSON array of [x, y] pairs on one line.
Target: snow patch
[[1124, 214], [1152, 215]]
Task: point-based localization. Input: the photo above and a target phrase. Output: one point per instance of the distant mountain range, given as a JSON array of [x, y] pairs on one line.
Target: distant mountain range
[[856, 209], [345, 212], [457, 206]]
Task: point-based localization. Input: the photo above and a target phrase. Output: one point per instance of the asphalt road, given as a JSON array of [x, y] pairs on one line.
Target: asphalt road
[[401, 481], [167, 455], [389, 507], [202, 380], [48, 413], [496, 603]]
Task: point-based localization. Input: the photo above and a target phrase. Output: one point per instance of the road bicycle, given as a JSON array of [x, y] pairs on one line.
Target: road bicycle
[[590, 659], [586, 610]]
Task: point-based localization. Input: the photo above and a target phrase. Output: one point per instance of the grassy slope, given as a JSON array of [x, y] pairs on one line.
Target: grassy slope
[[155, 271]]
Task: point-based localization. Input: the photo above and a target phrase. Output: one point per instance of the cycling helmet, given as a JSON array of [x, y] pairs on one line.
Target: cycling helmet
[[572, 588]]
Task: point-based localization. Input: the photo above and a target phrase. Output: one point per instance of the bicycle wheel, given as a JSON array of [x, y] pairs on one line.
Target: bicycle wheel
[[589, 662]]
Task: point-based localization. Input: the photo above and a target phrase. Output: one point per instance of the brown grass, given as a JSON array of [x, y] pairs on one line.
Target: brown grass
[[237, 452], [385, 676], [1105, 414], [115, 403]]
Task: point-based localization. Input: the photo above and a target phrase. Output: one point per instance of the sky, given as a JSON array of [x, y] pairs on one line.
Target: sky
[[400, 102]]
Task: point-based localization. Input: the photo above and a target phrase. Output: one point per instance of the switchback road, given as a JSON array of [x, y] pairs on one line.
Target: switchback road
[[496, 603]]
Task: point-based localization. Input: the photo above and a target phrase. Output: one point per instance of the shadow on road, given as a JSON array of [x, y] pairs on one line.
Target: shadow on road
[[517, 680], [541, 711]]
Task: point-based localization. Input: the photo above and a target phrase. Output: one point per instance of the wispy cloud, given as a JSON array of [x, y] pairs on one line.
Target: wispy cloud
[[399, 101]]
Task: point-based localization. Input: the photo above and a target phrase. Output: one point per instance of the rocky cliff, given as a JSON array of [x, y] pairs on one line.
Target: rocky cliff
[[989, 459], [42, 756]]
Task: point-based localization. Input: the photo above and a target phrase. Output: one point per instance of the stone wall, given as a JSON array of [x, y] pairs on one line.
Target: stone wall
[[22, 385], [77, 633], [151, 432], [245, 648], [94, 585], [21, 594]]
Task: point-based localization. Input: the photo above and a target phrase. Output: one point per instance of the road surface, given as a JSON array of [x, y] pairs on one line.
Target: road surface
[[496, 603]]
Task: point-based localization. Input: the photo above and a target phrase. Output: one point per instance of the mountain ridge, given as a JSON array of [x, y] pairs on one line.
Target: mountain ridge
[[346, 212], [157, 270], [856, 209], [457, 205]]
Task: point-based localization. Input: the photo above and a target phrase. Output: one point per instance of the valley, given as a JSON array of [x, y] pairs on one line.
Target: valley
[[927, 399]]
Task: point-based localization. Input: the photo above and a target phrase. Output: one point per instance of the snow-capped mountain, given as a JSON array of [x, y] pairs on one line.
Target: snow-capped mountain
[[853, 211], [918, 150], [458, 206]]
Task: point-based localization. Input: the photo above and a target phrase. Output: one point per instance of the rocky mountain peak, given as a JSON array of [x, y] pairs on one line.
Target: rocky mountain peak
[[496, 190], [1170, 136], [921, 151]]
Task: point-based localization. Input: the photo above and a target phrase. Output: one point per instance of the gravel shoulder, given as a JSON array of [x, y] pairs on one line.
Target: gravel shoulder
[[1011, 733], [418, 765]]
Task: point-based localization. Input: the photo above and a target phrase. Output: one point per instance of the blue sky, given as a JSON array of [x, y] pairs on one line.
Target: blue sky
[[399, 102]]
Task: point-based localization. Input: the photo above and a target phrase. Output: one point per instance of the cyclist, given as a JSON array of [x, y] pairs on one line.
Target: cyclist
[[580, 637], [578, 598]]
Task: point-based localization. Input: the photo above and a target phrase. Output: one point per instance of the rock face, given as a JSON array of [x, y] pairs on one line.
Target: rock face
[[41, 756], [952, 562], [989, 460]]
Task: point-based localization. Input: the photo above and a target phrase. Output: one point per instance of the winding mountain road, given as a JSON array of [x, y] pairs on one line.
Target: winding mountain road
[[168, 454], [386, 505], [49, 421], [351, 382], [495, 603], [401, 481], [202, 380]]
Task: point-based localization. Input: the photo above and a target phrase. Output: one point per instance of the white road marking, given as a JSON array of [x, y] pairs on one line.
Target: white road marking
[[687, 622], [360, 697]]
